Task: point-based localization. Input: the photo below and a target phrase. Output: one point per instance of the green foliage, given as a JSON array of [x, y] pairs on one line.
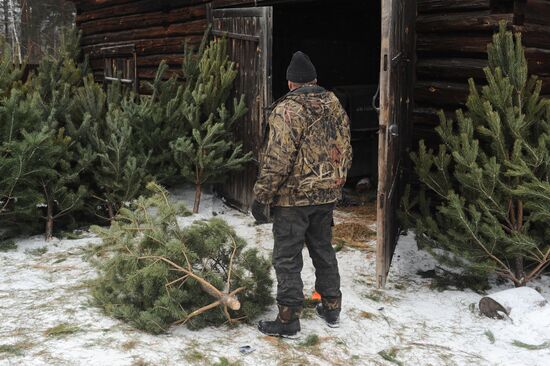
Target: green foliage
[[11, 73], [62, 329], [6, 245], [484, 197], [490, 336], [208, 153], [532, 347], [72, 151], [138, 287]]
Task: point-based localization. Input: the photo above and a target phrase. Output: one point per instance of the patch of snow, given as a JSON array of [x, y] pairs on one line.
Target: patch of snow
[[408, 320]]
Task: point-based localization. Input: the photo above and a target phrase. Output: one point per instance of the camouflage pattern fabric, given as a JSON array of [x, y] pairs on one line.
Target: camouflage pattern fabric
[[307, 153]]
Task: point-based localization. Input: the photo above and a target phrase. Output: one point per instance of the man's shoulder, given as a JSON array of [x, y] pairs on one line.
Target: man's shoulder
[[289, 104]]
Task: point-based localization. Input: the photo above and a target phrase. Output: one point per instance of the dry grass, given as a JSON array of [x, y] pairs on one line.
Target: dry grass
[[352, 231], [366, 211]]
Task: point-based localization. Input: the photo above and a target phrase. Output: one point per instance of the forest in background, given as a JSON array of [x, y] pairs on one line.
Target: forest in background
[[34, 27]]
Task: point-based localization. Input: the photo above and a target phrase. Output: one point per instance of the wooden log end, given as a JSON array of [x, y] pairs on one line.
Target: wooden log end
[[232, 303]]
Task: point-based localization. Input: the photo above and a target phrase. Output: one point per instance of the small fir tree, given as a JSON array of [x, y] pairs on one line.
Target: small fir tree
[[119, 169], [208, 153], [162, 274], [485, 197]]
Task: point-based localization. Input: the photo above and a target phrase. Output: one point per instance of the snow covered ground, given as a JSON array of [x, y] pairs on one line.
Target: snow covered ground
[[46, 317]]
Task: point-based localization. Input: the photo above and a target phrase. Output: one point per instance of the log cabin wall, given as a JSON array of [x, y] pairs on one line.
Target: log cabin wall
[[452, 37], [133, 36]]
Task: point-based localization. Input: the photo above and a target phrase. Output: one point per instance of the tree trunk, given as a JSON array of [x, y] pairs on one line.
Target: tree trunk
[[49, 222], [111, 212], [197, 198], [519, 271]]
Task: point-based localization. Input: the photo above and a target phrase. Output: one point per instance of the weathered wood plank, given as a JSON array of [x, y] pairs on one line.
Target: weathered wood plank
[[85, 5], [450, 68], [148, 46], [453, 43], [438, 93], [137, 21], [427, 6], [173, 30], [154, 60], [149, 73], [135, 7], [535, 35], [539, 61], [478, 21], [536, 12]]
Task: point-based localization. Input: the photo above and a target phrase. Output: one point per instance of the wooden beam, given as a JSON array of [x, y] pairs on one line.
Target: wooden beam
[[453, 43], [135, 7], [479, 21], [430, 6], [96, 4], [138, 21], [539, 60], [450, 68], [441, 94], [535, 35], [536, 12], [148, 46], [173, 30], [154, 60]]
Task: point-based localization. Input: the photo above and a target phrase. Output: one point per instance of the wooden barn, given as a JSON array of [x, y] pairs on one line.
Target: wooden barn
[[393, 64]]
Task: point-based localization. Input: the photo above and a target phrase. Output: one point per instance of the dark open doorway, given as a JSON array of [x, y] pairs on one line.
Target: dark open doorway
[[343, 42]]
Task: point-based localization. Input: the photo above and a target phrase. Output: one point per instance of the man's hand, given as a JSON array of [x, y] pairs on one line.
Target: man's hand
[[260, 212]]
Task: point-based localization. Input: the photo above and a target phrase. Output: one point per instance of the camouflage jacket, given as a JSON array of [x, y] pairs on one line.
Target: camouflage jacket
[[307, 151]]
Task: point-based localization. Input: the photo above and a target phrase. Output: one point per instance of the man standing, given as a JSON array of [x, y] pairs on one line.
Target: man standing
[[303, 167]]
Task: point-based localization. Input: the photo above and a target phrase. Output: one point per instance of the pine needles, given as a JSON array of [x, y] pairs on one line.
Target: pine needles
[[484, 196], [162, 275]]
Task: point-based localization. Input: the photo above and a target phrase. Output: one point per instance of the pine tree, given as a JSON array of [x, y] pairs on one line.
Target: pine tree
[[157, 119], [119, 170], [162, 274], [208, 153], [484, 196]]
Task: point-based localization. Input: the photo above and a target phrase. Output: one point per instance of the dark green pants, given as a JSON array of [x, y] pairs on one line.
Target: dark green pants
[[292, 228]]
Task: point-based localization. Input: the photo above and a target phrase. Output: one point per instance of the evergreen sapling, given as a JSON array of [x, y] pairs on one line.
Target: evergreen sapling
[[484, 196], [209, 153]]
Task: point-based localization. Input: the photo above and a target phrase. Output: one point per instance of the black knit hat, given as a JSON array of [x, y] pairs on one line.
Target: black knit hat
[[301, 69]]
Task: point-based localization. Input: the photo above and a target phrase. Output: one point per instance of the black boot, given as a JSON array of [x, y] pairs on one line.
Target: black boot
[[286, 325], [329, 310]]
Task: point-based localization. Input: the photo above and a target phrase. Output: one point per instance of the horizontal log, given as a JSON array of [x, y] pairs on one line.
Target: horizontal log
[[137, 21], [155, 60], [84, 5], [479, 21], [173, 30], [545, 85], [144, 62], [536, 12], [426, 116], [149, 73], [135, 7], [148, 46], [539, 61], [438, 94], [450, 68], [452, 43], [430, 6], [535, 35]]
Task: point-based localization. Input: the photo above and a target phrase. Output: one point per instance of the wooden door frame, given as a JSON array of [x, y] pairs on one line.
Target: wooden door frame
[[388, 184]]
